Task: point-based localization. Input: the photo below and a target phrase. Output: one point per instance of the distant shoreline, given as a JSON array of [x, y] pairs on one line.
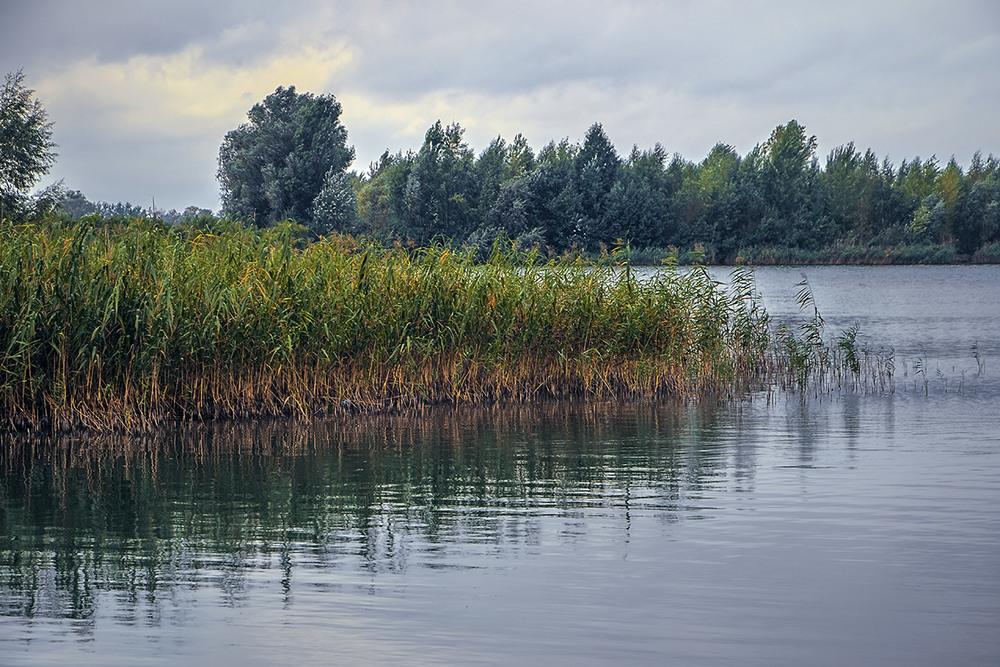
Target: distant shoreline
[[835, 256]]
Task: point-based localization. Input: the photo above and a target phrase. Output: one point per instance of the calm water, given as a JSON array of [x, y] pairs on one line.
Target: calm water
[[843, 529]]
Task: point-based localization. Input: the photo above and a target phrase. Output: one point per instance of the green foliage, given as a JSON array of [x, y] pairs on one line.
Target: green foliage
[[546, 199], [124, 323], [25, 145], [848, 188], [441, 193], [988, 254], [776, 201], [929, 220], [597, 169], [335, 208], [774, 204], [977, 221], [276, 165], [917, 179]]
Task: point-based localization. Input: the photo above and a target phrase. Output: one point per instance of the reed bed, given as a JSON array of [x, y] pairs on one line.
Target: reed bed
[[124, 324]]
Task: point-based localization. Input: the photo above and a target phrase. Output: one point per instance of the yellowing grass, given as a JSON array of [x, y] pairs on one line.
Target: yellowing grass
[[125, 325]]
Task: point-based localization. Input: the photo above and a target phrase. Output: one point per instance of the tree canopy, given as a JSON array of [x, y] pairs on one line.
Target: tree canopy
[[290, 161], [778, 197], [25, 143], [278, 165]]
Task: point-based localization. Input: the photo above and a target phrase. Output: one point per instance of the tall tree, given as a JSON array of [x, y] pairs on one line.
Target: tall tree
[[597, 170], [380, 195], [788, 154], [917, 179], [788, 178], [979, 222], [557, 196], [637, 208], [847, 182], [498, 167], [25, 143], [492, 170], [441, 190], [276, 165], [710, 200]]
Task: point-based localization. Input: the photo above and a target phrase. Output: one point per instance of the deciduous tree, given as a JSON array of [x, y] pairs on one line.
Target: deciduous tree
[[276, 165], [25, 143]]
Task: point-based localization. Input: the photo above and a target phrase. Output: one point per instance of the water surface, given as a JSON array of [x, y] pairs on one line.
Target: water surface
[[838, 528]]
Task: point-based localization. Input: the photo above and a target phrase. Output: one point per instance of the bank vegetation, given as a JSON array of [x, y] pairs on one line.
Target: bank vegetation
[[124, 324]]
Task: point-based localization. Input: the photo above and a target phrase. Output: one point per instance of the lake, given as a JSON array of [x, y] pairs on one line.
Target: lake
[[832, 528]]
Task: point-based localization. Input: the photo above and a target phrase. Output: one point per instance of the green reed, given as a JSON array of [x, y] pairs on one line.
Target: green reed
[[808, 361], [126, 323]]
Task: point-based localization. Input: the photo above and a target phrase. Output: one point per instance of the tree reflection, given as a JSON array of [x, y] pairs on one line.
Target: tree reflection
[[144, 519]]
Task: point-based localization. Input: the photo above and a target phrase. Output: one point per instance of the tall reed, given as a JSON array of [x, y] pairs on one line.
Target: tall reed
[[123, 324], [808, 360]]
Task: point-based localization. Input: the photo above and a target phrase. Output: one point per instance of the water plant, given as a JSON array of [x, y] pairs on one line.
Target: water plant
[[124, 323], [805, 359]]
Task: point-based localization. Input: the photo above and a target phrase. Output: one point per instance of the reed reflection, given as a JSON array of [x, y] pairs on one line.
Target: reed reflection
[[140, 521]]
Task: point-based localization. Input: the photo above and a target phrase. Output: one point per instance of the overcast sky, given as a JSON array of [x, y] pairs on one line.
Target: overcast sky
[[141, 93]]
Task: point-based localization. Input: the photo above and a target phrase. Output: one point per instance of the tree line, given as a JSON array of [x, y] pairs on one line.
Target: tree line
[[291, 161]]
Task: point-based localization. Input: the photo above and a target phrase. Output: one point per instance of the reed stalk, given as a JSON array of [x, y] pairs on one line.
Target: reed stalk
[[125, 324]]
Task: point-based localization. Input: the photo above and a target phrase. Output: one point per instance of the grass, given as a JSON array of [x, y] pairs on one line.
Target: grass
[[848, 253], [124, 324], [878, 252]]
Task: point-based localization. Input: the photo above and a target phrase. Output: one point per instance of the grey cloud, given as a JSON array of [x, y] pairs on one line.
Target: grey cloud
[[174, 173], [43, 31], [905, 77]]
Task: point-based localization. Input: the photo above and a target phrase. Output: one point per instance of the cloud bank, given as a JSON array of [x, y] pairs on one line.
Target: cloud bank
[[142, 93]]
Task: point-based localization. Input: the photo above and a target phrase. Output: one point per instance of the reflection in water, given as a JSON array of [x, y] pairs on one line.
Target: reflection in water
[[142, 520], [837, 528], [443, 535]]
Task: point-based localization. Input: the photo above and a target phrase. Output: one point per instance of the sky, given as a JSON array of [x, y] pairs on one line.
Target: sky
[[141, 93]]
